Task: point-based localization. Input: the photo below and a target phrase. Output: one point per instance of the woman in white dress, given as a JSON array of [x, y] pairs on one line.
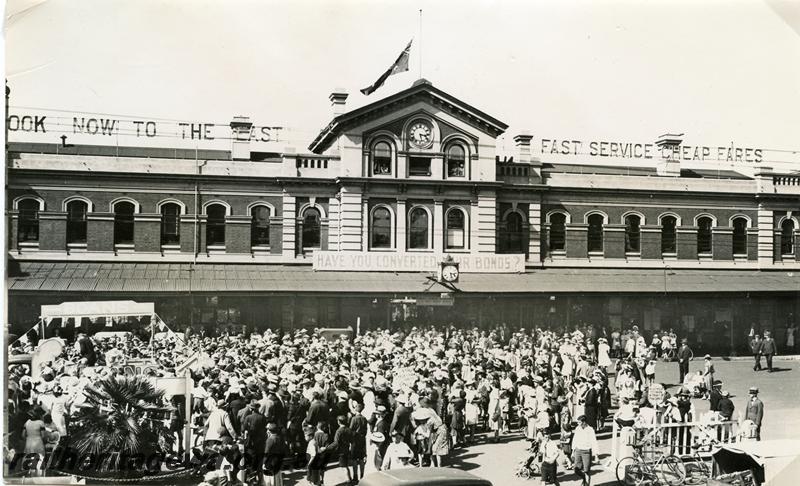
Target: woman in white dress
[[494, 411], [603, 358]]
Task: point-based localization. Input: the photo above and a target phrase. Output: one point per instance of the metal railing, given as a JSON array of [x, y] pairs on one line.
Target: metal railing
[[675, 437]]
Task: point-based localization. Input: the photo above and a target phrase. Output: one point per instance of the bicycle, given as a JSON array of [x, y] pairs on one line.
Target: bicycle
[[638, 469], [668, 355], [698, 471]]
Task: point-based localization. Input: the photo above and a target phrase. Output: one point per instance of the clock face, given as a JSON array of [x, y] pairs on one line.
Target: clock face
[[420, 134], [450, 273]]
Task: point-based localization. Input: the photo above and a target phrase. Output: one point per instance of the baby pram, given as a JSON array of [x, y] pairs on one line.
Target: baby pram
[[531, 465], [695, 384]]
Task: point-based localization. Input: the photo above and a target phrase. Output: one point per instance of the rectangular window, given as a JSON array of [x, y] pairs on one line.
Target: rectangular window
[[419, 166], [28, 225], [76, 225], [170, 229]]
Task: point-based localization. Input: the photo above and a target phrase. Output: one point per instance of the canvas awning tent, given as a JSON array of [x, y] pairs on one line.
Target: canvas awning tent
[[113, 308], [770, 459], [95, 309]]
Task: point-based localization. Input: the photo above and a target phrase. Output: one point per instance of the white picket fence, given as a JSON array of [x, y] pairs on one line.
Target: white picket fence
[[672, 437]]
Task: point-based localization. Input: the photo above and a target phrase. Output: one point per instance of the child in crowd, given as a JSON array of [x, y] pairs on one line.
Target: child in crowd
[[472, 413]]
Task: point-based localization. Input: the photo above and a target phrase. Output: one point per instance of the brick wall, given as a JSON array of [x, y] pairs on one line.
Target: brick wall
[[147, 232], [52, 231], [100, 232]]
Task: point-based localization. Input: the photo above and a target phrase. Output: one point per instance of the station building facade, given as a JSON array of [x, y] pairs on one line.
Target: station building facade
[[353, 229]]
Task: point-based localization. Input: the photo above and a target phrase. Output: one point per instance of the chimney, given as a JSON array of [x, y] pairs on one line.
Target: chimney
[[523, 143], [240, 129], [338, 99], [670, 163]]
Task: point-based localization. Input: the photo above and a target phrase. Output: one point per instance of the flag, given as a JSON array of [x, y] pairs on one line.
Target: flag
[[399, 66]]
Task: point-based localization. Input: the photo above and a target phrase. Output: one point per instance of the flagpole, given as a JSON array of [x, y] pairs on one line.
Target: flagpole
[[420, 43]]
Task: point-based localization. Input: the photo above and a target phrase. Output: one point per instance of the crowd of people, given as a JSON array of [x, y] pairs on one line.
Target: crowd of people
[[379, 400]]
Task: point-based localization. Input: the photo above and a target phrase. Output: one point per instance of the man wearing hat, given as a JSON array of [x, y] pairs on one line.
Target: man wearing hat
[[769, 349], [755, 346], [725, 406], [275, 451], [398, 453], [402, 418], [755, 410], [380, 434], [684, 355], [254, 431]]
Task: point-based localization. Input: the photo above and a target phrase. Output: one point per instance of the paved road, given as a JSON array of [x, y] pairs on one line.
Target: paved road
[[780, 392]]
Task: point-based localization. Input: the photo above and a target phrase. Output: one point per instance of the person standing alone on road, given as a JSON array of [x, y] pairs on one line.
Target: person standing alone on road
[[684, 355], [755, 411], [768, 349]]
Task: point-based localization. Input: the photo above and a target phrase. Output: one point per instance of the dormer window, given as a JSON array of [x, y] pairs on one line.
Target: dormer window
[[456, 161], [382, 159]]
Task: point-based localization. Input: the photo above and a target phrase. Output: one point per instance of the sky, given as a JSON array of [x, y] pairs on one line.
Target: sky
[[721, 72]]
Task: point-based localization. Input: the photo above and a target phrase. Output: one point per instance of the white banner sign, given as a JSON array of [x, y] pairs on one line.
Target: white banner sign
[[415, 262]]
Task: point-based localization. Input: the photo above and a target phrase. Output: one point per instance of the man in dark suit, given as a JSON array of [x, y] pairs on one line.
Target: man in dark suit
[[684, 355], [592, 403], [254, 429], [756, 347], [272, 408], [402, 418], [317, 411], [714, 398], [275, 451], [769, 349]]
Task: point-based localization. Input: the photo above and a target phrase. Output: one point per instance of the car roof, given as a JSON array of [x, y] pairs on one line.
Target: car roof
[[423, 476]]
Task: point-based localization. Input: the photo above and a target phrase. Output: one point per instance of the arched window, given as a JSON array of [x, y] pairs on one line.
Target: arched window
[[381, 227], [456, 161], [668, 234], [558, 233], [418, 229], [311, 228], [595, 237], [633, 234], [76, 221], [512, 237], [28, 228], [740, 236], [787, 237], [123, 222], [382, 159], [259, 226], [456, 229], [170, 224], [215, 225], [704, 238]]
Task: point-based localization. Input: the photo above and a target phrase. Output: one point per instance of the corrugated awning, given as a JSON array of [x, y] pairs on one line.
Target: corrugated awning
[[170, 277]]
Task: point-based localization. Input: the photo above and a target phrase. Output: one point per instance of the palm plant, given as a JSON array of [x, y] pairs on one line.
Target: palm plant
[[123, 417]]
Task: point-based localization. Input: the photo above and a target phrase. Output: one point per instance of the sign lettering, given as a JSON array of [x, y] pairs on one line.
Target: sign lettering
[[83, 125], [414, 262], [633, 150]]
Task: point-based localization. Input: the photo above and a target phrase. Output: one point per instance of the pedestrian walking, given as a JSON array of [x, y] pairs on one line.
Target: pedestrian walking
[[584, 448], [769, 349], [756, 347]]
